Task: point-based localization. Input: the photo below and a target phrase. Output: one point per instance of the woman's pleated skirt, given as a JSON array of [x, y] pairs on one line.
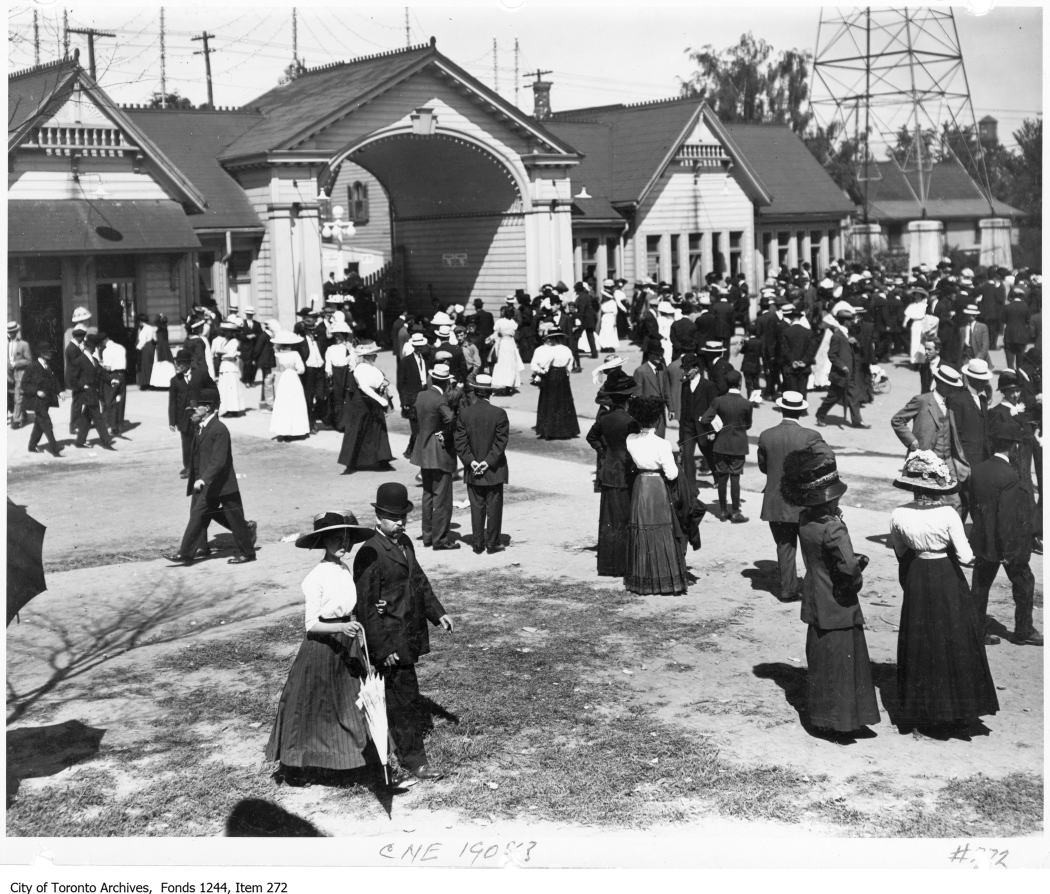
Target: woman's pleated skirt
[[654, 561], [318, 723], [614, 515], [841, 692]]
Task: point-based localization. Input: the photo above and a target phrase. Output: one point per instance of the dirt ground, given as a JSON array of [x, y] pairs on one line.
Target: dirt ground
[[113, 603]]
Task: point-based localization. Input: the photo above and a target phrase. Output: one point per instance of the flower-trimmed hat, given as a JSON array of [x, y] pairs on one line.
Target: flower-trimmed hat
[[326, 522], [925, 470]]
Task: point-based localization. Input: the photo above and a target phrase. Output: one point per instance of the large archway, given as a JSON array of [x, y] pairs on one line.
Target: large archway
[[457, 223]]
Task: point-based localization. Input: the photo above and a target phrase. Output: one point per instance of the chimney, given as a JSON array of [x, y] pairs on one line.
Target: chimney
[[541, 99], [988, 131]]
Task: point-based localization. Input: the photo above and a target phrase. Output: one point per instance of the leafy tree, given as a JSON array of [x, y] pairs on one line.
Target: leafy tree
[[291, 72], [840, 156], [170, 101], [751, 82], [1024, 169]]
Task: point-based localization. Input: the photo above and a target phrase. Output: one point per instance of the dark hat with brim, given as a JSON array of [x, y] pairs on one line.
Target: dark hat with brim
[[392, 499], [209, 396], [44, 350], [617, 382], [1007, 379], [810, 478], [327, 522]]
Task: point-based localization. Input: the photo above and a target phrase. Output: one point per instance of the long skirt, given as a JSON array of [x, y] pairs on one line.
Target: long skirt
[[318, 723], [555, 411], [942, 668], [289, 418], [655, 563], [163, 371], [608, 336], [145, 370], [338, 396], [614, 515], [365, 441], [841, 692], [233, 398], [506, 371]]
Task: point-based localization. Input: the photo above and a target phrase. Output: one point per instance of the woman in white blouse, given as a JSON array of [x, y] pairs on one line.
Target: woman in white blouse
[[506, 370], [289, 418], [943, 680], [233, 398], [365, 441], [319, 730], [555, 409], [655, 561]]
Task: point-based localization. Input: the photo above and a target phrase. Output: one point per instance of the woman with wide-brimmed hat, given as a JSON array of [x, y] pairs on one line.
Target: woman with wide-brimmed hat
[[840, 693], [555, 409], [227, 349], [943, 681], [319, 726], [289, 418], [365, 441]]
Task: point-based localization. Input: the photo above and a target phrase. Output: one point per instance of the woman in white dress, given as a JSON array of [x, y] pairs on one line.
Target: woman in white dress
[[233, 398], [914, 317], [506, 371], [608, 337], [289, 418], [665, 317]]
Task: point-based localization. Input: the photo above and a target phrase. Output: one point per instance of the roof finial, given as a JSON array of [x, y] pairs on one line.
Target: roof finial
[[433, 41]]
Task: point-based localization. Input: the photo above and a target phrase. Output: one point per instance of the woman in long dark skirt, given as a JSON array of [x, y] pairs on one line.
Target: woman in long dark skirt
[[365, 441], [840, 692], [163, 361], [655, 559], [555, 410], [319, 730], [608, 437], [943, 681]]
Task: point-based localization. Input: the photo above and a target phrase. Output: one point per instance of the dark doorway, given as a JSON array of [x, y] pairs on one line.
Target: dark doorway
[[42, 319]]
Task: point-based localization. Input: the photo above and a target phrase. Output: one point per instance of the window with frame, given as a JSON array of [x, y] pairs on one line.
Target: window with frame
[[357, 202], [652, 256]]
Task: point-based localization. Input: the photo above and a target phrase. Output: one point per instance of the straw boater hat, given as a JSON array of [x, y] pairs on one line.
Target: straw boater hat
[[440, 372], [977, 369], [248, 309], [665, 307], [810, 478], [230, 324], [340, 328], [418, 340], [925, 470], [949, 376], [284, 337], [392, 499], [81, 314], [12, 327], [326, 522], [793, 402], [480, 382], [713, 347], [971, 310], [441, 319], [366, 348]]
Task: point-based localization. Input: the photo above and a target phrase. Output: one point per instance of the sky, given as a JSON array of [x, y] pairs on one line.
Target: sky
[[598, 52]]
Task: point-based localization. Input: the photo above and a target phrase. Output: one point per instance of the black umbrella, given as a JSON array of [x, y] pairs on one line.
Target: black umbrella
[[25, 562]]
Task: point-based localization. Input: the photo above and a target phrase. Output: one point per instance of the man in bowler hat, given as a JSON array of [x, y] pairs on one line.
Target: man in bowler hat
[[41, 387], [394, 603], [482, 432]]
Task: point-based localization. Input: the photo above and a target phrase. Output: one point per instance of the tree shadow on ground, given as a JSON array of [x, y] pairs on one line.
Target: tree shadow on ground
[[47, 750], [256, 818]]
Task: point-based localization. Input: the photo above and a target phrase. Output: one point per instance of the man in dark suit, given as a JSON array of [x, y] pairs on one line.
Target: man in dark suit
[[457, 364], [484, 326], [647, 330], [652, 382], [969, 411], [183, 392], [797, 351], [698, 393], [767, 327], [1017, 318], [973, 339], [212, 485], [723, 314], [587, 311], [251, 334], [412, 374], [842, 388], [713, 359], [1002, 534], [86, 385], [482, 432], [733, 410], [394, 603], [41, 388], [774, 444], [433, 453], [683, 333], [993, 297]]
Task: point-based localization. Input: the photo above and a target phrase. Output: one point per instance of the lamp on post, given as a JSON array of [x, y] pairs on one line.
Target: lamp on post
[[337, 228]]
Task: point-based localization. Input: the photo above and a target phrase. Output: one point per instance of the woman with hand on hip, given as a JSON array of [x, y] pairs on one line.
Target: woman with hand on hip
[[365, 441]]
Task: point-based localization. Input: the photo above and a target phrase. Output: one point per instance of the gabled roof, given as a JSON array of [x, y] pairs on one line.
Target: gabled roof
[[952, 194], [194, 139], [797, 182], [38, 92], [626, 148], [294, 112]]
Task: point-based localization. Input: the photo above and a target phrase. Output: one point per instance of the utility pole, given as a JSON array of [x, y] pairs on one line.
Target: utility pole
[[91, 34], [206, 52], [408, 30], [36, 39], [495, 66], [163, 66], [295, 40], [65, 34], [516, 78]]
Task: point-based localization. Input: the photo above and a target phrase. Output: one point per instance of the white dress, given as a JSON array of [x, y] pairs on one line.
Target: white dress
[[608, 338], [913, 317], [289, 418], [233, 397], [506, 371]]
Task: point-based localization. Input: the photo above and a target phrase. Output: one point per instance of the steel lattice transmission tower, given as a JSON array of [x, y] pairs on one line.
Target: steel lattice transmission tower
[[893, 81]]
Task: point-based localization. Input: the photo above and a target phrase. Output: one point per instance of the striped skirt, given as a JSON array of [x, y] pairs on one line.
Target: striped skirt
[[318, 723], [655, 562]]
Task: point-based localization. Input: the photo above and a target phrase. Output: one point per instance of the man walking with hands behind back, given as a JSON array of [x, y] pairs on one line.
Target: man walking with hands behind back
[[482, 433], [394, 603], [436, 458]]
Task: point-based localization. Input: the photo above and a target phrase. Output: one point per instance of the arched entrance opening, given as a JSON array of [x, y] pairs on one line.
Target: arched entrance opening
[[457, 223]]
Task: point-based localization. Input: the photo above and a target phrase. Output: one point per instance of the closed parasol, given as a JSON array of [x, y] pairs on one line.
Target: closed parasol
[[25, 563], [372, 701]]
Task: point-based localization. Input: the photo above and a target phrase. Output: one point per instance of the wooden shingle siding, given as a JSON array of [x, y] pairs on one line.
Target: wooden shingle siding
[[485, 259]]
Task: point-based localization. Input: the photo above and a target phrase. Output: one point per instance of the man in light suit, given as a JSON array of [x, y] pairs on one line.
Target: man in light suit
[[19, 357], [974, 341], [433, 453], [482, 432], [774, 444], [652, 382], [212, 484]]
